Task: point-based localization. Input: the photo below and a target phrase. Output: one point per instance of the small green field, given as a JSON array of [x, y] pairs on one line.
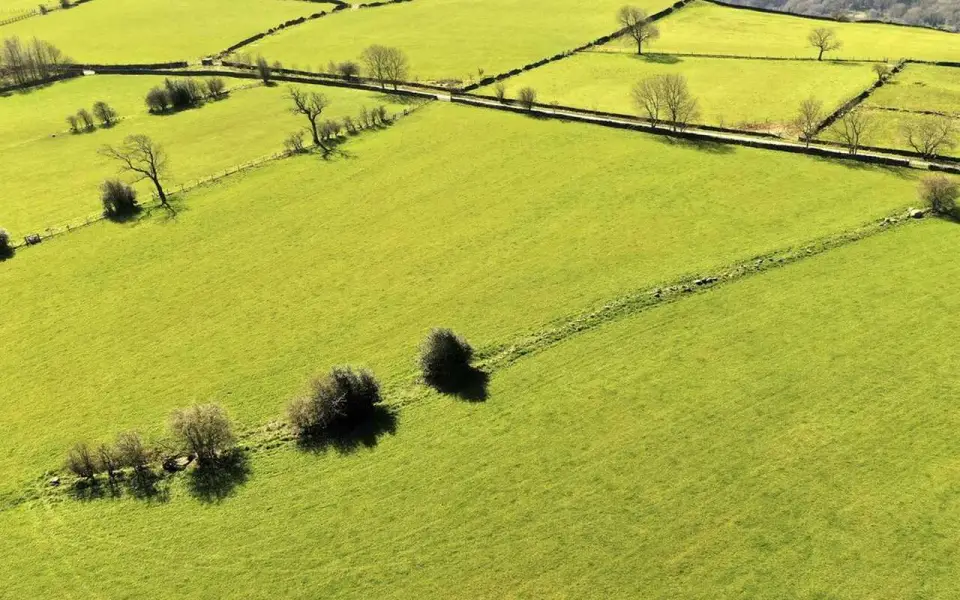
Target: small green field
[[732, 93], [738, 443], [450, 39], [49, 177], [134, 31], [705, 28], [265, 278], [921, 88], [886, 130]]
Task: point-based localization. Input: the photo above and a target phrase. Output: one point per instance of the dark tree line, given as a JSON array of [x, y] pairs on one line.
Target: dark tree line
[[28, 62], [943, 14]]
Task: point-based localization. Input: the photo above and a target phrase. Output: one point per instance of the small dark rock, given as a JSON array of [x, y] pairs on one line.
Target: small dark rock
[[54, 481]]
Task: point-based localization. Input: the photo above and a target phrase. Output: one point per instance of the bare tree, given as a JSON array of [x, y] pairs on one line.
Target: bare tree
[[527, 97], [385, 65], [86, 119], [882, 71], [264, 72], [109, 460], [104, 112], [929, 137], [294, 142], [348, 69], [203, 430], [131, 451], [216, 88], [682, 107], [648, 96], [311, 106], [809, 118], [499, 90], [940, 194], [853, 128], [637, 25], [143, 157], [82, 462], [74, 123], [824, 40]]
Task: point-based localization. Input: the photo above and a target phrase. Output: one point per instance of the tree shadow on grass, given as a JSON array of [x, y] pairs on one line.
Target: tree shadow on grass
[[469, 385], [6, 253], [857, 165], [350, 437], [660, 59], [145, 486], [216, 481], [699, 145]]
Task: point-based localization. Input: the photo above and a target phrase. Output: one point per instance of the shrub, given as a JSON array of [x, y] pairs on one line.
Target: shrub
[[382, 115], [342, 398], [350, 125], [527, 96], [445, 359], [183, 93], [263, 70], [499, 90], [158, 100], [329, 129], [74, 123], [108, 460], [119, 199], [65, 4], [216, 88], [81, 462], [131, 452], [203, 430], [294, 142], [6, 250], [348, 69], [86, 119], [940, 194], [105, 113]]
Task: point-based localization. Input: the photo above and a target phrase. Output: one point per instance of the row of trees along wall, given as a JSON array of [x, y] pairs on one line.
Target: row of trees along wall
[[32, 62]]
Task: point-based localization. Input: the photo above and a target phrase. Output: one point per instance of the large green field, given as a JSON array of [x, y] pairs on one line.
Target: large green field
[[921, 88], [451, 39], [49, 177], [133, 31], [706, 28], [268, 277], [734, 93], [786, 436]]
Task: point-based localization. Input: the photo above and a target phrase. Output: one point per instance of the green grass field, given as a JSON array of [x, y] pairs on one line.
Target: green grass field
[[921, 88], [786, 436], [733, 93], [886, 130], [266, 278], [450, 39], [132, 31], [705, 28], [49, 177]]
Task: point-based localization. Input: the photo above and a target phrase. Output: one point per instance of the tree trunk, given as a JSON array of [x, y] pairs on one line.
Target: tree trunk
[[820, 57], [313, 130], [639, 47], [160, 193]]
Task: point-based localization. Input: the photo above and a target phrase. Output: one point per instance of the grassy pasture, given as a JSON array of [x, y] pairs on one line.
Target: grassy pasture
[[921, 88], [268, 277], [787, 436], [46, 181], [734, 93], [133, 31], [451, 39], [886, 130], [705, 28]]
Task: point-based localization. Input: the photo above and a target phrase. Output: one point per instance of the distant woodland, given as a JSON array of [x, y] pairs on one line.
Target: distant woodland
[[943, 14]]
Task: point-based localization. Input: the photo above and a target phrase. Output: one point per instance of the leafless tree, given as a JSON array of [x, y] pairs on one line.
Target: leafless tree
[[940, 193], [104, 112], [882, 71], [348, 69], [311, 106], [809, 118], [385, 65], [499, 90], [681, 106], [527, 96], [294, 142], [74, 123], [203, 430], [131, 451], [108, 460], [853, 128], [27, 63], [930, 136], [637, 25], [216, 88], [82, 462], [824, 40], [144, 158], [264, 72], [648, 96]]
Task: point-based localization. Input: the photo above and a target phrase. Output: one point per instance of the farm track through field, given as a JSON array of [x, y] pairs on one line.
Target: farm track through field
[[408, 391]]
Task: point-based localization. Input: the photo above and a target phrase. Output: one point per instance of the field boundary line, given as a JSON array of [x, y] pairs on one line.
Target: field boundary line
[[858, 99]]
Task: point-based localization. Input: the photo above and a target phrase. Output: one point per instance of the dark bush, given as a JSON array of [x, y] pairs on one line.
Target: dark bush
[[940, 193], [158, 100], [119, 199], [82, 463], [216, 88], [131, 451], [329, 129], [264, 72], [341, 399], [445, 359], [294, 142], [6, 250], [183, 93], [105, 113], [108, 460], [348, 69], [86, 119], [74, 123], [203, 430], [527, 96]]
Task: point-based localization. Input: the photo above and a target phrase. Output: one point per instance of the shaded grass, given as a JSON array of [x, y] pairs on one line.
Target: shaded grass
[[731, 93], [711, 29], [263, 280], [49, 177], [131, 31], [451, 39], [784, 436]]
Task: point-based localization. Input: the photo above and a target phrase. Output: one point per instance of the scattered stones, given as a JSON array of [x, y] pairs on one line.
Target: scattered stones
[[916, 213], [54, 481]]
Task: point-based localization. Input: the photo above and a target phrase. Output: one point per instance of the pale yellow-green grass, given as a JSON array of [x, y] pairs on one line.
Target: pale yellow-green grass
[[136, 31], [791, 435], [49, 177], [706, 28], [921, 88], [451, 39], [886, 130], [492, 223], [730, 92]]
